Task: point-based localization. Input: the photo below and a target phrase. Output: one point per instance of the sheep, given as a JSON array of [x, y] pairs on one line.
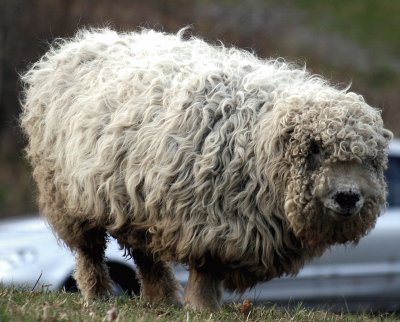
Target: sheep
[[241, 168]]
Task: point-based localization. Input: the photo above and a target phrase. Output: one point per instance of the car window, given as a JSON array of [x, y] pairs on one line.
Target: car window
[[393, 180]]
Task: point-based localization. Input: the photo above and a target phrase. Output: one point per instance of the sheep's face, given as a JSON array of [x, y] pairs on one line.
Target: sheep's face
[[343, 188], [336, 188]]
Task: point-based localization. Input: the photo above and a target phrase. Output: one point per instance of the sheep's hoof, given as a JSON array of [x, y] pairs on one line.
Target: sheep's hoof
[[175, 301]]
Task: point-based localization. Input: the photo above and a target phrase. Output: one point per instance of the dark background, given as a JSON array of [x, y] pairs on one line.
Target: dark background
[[354, 41]]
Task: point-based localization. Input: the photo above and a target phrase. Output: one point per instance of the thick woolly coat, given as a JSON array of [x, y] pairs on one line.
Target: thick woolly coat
[[195, 153]]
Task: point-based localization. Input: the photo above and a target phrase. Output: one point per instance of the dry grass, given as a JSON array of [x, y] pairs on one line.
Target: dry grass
[[23, 305]]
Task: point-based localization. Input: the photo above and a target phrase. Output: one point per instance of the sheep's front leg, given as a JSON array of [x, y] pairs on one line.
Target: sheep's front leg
[[157, 280], [203, 291]]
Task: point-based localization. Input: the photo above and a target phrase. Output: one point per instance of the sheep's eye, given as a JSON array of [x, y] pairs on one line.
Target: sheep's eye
[[315, 148]]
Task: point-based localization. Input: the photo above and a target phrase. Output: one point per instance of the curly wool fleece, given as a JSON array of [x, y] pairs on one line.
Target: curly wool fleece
[[194, 153]]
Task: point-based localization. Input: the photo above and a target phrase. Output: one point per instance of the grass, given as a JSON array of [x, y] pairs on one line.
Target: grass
[[23, 305], [372, 22]]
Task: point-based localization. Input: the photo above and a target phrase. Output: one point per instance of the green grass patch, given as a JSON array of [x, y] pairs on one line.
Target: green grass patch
[[370, 21], [24, 305]]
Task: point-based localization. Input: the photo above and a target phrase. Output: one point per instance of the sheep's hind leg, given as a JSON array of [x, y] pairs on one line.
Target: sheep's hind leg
[[91, 273], [203, 290], [158, 283]]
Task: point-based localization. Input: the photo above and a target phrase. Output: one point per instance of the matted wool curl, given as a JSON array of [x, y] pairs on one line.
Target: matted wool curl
[[198, 154]]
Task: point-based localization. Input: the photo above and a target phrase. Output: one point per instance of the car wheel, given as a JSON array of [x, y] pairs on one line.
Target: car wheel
[[124, 280]]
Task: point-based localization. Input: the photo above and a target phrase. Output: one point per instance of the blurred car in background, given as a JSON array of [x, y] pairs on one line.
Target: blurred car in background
[[365, 277]]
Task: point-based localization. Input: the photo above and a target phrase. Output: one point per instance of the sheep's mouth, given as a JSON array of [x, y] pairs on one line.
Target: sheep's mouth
[[343, 215], [340, 215]]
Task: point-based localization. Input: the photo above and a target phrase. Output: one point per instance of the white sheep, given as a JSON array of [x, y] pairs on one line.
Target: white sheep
[[241, 168]]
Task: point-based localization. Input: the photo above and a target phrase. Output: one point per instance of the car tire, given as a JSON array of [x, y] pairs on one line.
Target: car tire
[[124, 280]]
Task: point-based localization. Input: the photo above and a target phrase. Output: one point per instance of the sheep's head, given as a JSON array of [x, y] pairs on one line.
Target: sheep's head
[[336, 153]]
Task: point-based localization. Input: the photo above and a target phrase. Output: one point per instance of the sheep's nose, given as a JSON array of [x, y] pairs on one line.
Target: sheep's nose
[[348, 202]]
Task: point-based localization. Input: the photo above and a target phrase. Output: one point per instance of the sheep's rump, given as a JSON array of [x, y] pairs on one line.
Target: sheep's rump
[[164, 142]]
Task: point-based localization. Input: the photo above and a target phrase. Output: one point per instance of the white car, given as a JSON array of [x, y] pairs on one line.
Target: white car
[[365, 277]]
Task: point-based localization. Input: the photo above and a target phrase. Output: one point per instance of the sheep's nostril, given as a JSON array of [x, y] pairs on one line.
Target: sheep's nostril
[[346, 200]]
